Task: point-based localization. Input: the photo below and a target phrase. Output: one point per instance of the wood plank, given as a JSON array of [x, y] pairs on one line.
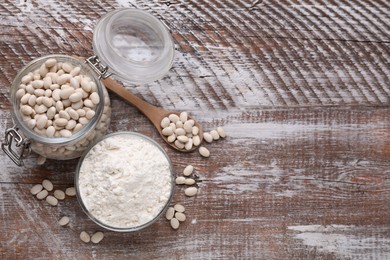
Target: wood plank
[[301, 88]]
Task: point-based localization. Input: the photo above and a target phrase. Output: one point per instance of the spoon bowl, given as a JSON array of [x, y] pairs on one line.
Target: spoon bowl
[[154, 114]]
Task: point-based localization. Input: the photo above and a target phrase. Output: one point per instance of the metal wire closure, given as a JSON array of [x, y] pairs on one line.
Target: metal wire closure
[[98, 67], [12, 134]]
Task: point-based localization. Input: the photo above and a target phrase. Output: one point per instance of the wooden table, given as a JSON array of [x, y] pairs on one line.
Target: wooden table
[[302, 89]]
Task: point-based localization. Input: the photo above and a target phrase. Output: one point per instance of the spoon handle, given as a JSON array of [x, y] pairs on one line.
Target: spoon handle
[[154, 114]]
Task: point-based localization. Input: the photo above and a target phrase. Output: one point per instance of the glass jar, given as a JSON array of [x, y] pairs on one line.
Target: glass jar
[[134, 45], [130, 44], [56, 147]]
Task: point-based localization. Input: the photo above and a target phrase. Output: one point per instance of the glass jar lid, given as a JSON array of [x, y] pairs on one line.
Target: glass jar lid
[[135, 45]]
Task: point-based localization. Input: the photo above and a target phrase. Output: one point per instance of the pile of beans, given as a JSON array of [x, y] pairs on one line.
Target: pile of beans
[[41, 191], [175, 215], [181, 131], [57, 100]]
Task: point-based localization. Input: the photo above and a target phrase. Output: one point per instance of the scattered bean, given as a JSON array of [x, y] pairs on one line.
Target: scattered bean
[[214, 134], [221, 132], [47, 185], [207, 137], [180, 216], [170, 213], [36, 189], [42, 194], [71, 191], [85, 237], [180, 180], [63, 221], [191, 191], [97, 237], [188, 170], [175, 223], [204, 151], [179, 208], [51, 200], [189, 181], [59, 194]]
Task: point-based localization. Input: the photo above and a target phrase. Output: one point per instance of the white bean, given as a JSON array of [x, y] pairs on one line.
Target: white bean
[[90, 114], [20, 93], [180, 216], [183, 117], [41, 121], [94, 98], [50, 113], [71, 124], [67, 67], [170, 213], [179, 208], [65, 93], [50, 131], [75, 97], [50, 62], [97, 237], [196, 140], [59, 194], [182, 138], [195, 130], [26, 110], [36, 189], [65, 133], [214, 134], [47, 82], [31, 123], [180, 131], [187, 127], [85, 237], [42, 194], [171, 138], [26, 79], [188, 144], [173, 118], [51, 200], [221, 132], [207, 137], [25, 98], [165, 122], [189, 181], [180, 180], [188, 170], [179, 124], [63, 221], [167, 131], [191, 191], [71, 191], [174, 223], [61, 122], [48, 102], [204, 151], [63, 78], [48, 185], [179, 144], [64, 114], [85, 85]]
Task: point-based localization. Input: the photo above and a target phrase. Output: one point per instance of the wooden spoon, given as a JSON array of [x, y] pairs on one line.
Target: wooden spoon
[[155, 114]]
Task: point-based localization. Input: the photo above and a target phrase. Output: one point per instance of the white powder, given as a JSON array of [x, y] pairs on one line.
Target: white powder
[[125, 181]]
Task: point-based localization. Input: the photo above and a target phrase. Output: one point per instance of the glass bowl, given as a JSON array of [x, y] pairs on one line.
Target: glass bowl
[[98, 187]]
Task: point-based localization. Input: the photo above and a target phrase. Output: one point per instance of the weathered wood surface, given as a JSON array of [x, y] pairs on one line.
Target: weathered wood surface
[[302, 88]]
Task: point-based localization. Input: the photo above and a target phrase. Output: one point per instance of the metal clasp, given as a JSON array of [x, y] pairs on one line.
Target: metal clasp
[[98, 67], [12, 134]]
